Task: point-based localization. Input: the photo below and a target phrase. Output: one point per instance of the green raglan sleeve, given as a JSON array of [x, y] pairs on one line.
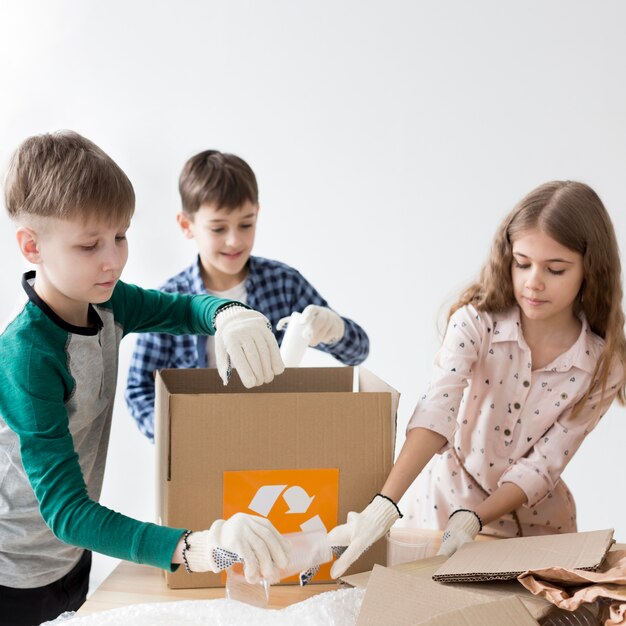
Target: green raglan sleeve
[[148, 310], [33, 387]]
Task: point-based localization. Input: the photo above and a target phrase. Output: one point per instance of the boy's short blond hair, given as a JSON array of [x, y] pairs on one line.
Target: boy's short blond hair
[[64, 175], [216, 178]]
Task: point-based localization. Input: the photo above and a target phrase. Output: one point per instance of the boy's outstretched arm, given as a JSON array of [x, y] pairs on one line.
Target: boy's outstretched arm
[[242, 538], [34, 391], [243, 337]]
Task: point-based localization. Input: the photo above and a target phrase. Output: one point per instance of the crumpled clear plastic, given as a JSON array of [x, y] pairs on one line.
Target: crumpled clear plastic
[[308, 550]]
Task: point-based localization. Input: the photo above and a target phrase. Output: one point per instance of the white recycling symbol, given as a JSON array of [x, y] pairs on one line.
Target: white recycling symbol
[[297, 499]]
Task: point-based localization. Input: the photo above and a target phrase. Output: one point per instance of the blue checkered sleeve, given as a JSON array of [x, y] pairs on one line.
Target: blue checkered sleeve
[[277, 290]]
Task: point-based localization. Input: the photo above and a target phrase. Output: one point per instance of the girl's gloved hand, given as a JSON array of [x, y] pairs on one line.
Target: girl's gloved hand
[[244, 339], [463, 526], [242, 537], [361, 531]]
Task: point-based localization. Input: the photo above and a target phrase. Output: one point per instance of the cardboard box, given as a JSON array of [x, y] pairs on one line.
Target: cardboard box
[[318, 424]]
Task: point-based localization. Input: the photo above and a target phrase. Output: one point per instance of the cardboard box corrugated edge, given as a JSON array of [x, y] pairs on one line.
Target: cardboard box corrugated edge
[[161, 412], [506, 559], [162, 452], [395, 598], [176, 386]]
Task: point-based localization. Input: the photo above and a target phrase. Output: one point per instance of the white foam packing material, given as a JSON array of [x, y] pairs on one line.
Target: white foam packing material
[[333, 608]]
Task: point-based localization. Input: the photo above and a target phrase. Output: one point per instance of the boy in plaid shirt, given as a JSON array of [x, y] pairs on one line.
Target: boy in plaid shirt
[[220, 204]]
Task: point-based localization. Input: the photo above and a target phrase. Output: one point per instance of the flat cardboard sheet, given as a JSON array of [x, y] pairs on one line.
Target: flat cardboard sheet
[[424, 569], [509, 611], [403, 600], [506, 559]]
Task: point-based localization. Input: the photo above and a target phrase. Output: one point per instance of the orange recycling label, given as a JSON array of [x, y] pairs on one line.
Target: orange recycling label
[[293, 500]]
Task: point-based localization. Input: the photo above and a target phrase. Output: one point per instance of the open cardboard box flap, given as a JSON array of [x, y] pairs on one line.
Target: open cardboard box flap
[[407, 593], [423, 570], [506, 559], [401, 599]]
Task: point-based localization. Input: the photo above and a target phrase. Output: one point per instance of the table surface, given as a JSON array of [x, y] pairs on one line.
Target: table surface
[[130, 583]]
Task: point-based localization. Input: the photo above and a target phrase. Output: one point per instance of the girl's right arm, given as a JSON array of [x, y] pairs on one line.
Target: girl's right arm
[[431, 428], [419, 447], [367, 527]]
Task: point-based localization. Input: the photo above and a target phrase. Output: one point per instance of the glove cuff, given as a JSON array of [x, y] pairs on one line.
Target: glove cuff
[[400, 516], [202, 552], [339, 328], [383, 511], [466, 520], [227, 311]]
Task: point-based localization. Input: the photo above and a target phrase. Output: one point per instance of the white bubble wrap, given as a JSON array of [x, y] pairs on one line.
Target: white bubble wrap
[[333, 608]]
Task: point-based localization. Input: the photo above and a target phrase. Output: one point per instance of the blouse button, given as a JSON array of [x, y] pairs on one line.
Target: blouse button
[[517, 405], [563, 396], [526, 383], [507, 432]]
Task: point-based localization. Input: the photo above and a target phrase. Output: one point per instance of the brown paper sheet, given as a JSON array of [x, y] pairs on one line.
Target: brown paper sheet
[[569, 588]]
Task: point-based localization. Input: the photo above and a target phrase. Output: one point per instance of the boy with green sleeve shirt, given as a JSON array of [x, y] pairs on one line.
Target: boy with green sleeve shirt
[[73, 205]]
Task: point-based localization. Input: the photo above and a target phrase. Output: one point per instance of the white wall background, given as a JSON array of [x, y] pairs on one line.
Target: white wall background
[[389, 139]]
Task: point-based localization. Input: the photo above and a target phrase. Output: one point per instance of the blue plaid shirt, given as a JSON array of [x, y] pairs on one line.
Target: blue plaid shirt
[[273, 288]]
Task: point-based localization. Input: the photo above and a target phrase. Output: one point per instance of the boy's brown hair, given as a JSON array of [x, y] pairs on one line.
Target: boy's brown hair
[[222, 180], [64, 175]]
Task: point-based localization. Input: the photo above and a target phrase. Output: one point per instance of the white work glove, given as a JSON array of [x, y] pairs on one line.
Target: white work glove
[[319, 325], [242, 538], [463, 526], [244, 339], [361, 531]]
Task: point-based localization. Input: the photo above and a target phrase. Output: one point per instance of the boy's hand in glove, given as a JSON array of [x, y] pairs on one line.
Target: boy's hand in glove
[[244, 339], [319, 325], [242, 538]]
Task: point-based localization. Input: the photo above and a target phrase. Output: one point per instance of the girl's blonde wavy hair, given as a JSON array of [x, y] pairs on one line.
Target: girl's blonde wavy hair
[[573, 215]]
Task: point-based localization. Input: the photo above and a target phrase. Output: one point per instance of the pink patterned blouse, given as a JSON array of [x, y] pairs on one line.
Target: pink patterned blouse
[[504, 422]]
